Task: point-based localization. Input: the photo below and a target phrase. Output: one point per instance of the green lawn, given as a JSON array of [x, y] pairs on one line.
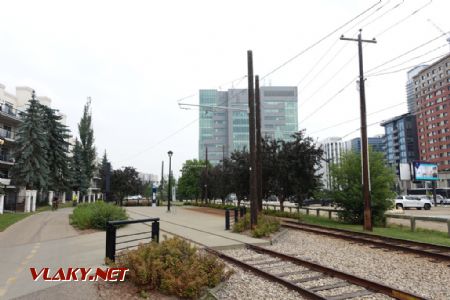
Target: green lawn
[[394, 231], [7, 219]]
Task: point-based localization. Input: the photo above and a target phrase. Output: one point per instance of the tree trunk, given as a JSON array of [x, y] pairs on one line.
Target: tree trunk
[[282, 203]]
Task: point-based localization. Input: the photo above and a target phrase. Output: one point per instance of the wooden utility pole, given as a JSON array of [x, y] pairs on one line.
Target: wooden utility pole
[[258, 145], [206, 174], [251, 127], [364, 142], [162, 183]]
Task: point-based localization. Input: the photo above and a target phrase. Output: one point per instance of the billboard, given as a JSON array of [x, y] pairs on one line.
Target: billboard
[[425, 171]]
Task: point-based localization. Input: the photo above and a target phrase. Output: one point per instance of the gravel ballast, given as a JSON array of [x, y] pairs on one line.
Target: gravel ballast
[[410, 273], [245, 285]]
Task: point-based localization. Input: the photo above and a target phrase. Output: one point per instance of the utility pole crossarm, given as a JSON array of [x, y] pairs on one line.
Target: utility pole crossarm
[[374, 41]]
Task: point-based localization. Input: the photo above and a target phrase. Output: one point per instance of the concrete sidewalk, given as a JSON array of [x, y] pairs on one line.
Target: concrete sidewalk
[[205, 229]]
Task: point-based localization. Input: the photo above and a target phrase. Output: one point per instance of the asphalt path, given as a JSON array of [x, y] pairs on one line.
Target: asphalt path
[[44, 240]]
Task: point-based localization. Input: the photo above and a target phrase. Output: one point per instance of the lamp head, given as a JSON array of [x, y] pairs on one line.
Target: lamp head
[[170, 153]]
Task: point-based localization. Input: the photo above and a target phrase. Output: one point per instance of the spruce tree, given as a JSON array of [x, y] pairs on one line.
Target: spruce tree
[[31, 168], [57, 159], [103, 171], [78, 170], [87, 142]]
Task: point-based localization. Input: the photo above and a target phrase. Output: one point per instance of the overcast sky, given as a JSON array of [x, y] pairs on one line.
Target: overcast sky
[[136, 59]]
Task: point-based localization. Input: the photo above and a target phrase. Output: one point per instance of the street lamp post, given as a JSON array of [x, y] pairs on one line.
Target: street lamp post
[[169, 194]]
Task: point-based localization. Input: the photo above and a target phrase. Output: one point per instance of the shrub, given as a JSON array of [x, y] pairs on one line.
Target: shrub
[[282, 214], [266, 225], [95, 215], [173, 267], [347, 192]]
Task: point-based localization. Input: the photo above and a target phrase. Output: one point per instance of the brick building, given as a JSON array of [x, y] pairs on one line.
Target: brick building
[[432, 89]]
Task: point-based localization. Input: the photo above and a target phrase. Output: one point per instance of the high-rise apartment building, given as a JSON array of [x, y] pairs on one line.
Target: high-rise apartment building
[[333, 148], [401, 139], [376, 143], [431, 89], [223, 125], [410, 96]]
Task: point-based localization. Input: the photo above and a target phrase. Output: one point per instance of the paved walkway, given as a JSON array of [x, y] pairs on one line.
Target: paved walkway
[[48, 240], [44, 240], [206, 229]]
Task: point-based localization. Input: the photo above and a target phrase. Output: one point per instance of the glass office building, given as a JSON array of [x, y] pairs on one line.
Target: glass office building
[[225, 129]]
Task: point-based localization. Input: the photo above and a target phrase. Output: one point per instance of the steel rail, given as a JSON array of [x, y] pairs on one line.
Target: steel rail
[[371, 285], [434, 251]]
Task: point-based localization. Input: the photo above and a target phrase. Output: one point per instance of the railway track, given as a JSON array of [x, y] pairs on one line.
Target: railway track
[[423, 249], [310, 279], [308, 276]]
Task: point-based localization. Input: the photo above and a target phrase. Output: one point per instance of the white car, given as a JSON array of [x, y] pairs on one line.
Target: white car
[[439, 199], [406, 202]]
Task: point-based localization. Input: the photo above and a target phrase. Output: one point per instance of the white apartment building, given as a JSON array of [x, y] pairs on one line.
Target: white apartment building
[[333, 147], [10, 106]]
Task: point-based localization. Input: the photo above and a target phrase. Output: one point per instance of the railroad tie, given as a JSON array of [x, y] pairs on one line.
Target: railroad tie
[[329, 286], [350, 295], [284, 274], [266, 262], [311, 278]]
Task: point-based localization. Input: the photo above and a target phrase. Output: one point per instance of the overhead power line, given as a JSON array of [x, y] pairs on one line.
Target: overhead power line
[[408, 67], [319, 41], [355, 119], [406, 53]]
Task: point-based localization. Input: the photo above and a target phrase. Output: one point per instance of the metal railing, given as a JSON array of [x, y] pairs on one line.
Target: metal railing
[[6, 134], [111, 235], [6, 157], [413, 219], [10, 111]]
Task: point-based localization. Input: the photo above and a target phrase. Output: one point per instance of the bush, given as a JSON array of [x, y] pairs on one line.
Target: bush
[[347, 192], [266, 225], [173, 267], [95, 215], [281, 214]]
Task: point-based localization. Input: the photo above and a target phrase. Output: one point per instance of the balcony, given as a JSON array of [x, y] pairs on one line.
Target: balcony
[[7, 134], [6, 159], [9, 112]]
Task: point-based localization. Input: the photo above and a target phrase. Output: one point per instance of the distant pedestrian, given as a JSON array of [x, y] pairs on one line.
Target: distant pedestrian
[[55, 203], [74, 200]]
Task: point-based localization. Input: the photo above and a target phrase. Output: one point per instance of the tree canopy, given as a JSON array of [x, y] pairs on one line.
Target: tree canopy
[[57, 136], [88, 152], [31, 168], [347, 186]]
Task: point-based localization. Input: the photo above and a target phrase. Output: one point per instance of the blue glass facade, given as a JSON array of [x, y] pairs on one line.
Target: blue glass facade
[[228, 128], [401, 139]]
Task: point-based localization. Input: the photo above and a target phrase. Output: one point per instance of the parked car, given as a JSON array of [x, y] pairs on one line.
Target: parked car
[[231, 197], [406, 202], [135, 197], [439, 199], [307, 202], [271, 198]]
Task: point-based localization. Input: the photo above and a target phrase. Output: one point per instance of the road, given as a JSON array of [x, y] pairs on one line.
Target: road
[[44, 240]]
